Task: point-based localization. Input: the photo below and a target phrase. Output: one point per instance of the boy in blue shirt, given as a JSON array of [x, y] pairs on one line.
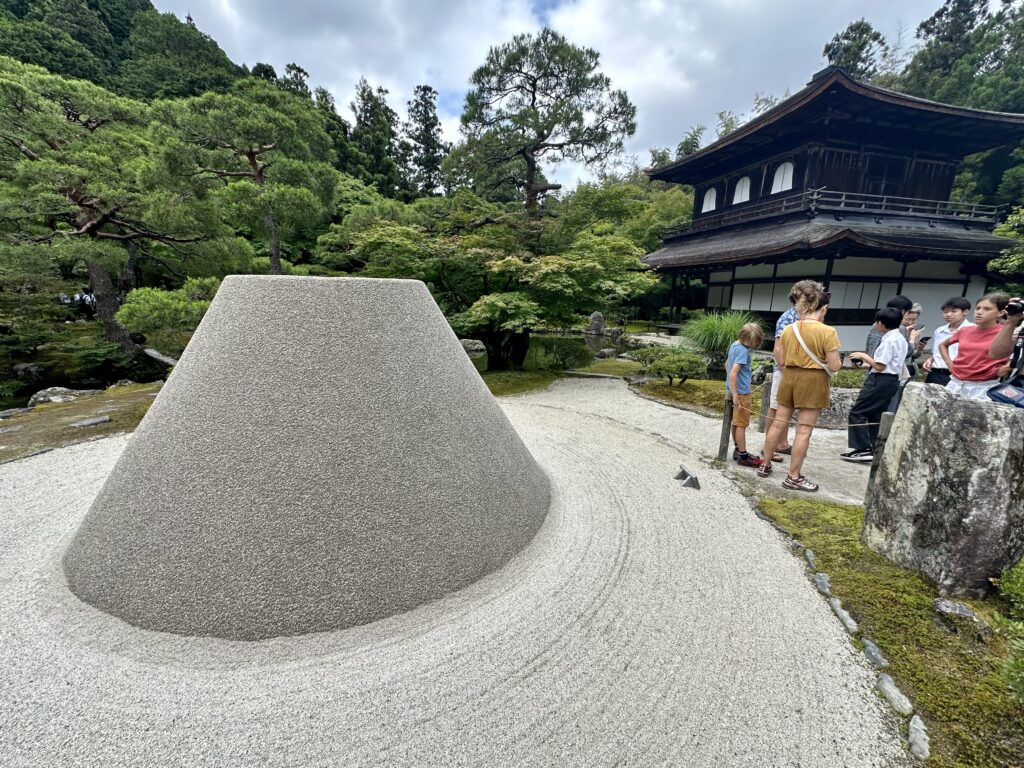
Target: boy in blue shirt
[[737, 386]]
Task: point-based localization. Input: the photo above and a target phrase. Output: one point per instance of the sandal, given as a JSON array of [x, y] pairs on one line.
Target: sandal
[[787, 450], [800, 483], [765, 470]]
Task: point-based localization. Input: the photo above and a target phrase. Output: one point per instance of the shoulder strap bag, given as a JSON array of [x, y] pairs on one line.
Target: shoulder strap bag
[[814, 357]]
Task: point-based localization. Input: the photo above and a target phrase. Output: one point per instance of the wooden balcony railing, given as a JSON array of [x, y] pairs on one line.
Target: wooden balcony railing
[[832, 201]]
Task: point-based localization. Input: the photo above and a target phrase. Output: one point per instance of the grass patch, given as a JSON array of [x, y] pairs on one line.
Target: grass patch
[[612, 367], [49, 425], [705, 394], [954, 680], [516, 382]]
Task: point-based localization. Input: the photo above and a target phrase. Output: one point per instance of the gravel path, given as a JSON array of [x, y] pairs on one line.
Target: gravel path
[[647, 624]]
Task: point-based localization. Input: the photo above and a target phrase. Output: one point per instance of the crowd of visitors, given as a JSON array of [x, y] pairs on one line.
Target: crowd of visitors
[[971, 358]]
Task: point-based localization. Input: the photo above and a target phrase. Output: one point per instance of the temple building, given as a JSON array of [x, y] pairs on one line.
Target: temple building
[[845, 183]]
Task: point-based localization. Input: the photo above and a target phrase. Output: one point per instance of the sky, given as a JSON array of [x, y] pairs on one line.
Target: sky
[[679, 61]]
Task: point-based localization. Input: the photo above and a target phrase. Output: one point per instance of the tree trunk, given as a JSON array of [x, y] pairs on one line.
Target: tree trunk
[[506, 349], [532, 209], [107, 304], [275, 245], [127, 279]]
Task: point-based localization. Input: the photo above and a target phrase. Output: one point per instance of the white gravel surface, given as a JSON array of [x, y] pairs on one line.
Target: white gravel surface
[[646, 624]]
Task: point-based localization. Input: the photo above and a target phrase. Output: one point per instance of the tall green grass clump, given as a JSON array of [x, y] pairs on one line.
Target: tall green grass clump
[[714, 332]]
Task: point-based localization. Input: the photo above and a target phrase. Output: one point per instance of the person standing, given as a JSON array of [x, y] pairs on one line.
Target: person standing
[[737, 386], [786, 319], [974, 371], [901, 303], [880, 385], [954, 312], [810, 354]]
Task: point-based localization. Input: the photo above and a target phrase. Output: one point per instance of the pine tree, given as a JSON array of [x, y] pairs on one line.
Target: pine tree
[[426, 146], [375, 135]]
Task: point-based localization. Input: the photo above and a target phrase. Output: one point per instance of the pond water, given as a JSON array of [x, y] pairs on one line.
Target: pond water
[[552, 351]]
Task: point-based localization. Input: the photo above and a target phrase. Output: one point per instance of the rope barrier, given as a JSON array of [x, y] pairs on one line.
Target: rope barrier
[[848, 424]]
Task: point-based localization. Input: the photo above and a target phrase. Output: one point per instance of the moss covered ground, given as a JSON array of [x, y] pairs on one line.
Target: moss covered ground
[[50, 425], [954, 680], [516, 382], [612, 367], [703, 394]]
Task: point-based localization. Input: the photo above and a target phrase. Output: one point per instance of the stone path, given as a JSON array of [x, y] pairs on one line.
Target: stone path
[[647, 624]]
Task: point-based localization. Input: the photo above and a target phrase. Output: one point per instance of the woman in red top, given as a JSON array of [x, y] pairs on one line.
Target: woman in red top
[[973, 371]]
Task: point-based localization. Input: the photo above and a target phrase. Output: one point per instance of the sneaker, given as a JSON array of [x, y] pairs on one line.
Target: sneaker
[[750, 461], [858, 456], [800, 483]]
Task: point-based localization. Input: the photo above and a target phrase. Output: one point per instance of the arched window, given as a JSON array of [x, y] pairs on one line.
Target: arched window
[[710, 201], [742, 192], [783, 179]]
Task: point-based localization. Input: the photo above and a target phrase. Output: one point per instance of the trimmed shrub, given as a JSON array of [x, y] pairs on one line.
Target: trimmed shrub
[[678, 365], [645, 356]]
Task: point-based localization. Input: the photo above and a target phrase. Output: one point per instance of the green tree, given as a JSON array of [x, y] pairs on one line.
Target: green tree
[[375, 136], [860, 49], [169, 58], [427, 148], [79, 21], [294, 80], [691, 142], [542, 98], [260, 151], [34, 42], [78, 161], [728, 121], [264, 72]]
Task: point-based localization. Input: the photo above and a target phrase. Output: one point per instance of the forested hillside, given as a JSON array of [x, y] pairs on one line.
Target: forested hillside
[[138, 165]]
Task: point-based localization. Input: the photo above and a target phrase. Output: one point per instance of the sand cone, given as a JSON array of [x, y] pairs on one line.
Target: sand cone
[[324, 455]]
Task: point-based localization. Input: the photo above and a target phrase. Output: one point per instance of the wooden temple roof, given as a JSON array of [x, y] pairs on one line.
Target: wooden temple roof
[[803, 238], [835, 105]]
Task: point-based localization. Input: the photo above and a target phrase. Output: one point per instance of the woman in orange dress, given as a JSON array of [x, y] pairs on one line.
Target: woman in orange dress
[[810, 355]]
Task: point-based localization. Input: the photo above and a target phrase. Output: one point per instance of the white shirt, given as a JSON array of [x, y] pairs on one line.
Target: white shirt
[[892, 351], [942, 333]]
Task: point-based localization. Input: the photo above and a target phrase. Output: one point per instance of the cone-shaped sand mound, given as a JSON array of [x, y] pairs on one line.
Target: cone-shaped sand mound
[[323, 455]]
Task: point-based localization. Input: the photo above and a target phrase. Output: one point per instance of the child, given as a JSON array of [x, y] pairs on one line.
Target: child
[[954, 312], [973, 371], [738, 386], [882, 381]]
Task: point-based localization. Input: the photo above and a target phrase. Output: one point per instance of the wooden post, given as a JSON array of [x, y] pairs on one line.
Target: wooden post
[[766, 403], [723, 446], [885, 424]]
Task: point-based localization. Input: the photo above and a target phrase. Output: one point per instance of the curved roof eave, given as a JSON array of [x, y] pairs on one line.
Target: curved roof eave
[[818, 85]]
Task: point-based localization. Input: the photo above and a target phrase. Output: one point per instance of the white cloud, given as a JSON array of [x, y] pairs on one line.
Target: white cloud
[[679, 63]]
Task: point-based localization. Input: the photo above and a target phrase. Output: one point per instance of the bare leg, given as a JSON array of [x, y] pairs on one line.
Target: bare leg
[[739, 436], [776, 432], [773, 414], [802, 438]]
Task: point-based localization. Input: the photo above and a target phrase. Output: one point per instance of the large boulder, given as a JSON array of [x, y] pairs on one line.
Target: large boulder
[[58, 395], [837, 415], [595, 326], [473, 347], [948, 497]]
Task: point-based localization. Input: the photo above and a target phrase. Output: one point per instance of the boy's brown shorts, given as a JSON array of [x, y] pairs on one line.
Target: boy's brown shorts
[[741, 415]]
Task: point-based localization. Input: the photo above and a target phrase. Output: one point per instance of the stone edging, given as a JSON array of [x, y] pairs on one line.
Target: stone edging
[[917, 732]]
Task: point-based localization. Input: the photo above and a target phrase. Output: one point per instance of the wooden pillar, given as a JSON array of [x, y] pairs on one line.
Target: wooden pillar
[[766, 401], [723, 445], [672, 298]]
